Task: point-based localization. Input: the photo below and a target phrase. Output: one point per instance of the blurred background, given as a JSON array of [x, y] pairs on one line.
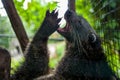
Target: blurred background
[[103, 16]]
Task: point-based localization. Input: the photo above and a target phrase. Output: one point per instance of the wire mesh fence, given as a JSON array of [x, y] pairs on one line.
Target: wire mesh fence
[[107, 25], [112, 49]]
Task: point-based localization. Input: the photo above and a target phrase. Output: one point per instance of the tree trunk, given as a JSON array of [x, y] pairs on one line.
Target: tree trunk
[[16, 23], [71, 5]]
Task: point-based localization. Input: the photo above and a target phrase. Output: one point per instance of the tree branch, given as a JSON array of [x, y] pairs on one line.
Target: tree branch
[[16, 23], [71, 5]]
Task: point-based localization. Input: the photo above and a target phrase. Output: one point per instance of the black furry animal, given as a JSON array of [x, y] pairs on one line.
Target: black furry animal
[[5, 63], [37, 57], [84, 58]]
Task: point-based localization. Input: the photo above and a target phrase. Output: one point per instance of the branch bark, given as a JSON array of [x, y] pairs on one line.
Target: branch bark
[[16, 22], [71, 5]]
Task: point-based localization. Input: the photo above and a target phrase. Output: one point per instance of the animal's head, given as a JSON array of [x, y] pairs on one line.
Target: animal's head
[[79, 32]]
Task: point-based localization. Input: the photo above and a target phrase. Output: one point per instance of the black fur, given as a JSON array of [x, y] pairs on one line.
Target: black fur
[[5, 63], [37, 57], [84, 58]]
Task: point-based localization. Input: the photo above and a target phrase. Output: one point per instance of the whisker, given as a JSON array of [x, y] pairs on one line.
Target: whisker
[[77, 39]]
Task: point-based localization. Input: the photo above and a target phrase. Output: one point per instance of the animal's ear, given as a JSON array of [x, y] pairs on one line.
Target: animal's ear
[[92, 38], [94, 41]]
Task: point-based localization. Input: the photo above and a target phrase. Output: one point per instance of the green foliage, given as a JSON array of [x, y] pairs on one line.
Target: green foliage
[[34, 14], [112, 55], [106, 23], [15, 63], [84, 8]]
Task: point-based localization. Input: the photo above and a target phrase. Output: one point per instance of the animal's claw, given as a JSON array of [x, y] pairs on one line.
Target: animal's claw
[[47, 13], [58, 20]]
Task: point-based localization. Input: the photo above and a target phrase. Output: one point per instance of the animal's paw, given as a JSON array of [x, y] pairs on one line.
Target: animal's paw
[[52, 18], [50, 23]]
